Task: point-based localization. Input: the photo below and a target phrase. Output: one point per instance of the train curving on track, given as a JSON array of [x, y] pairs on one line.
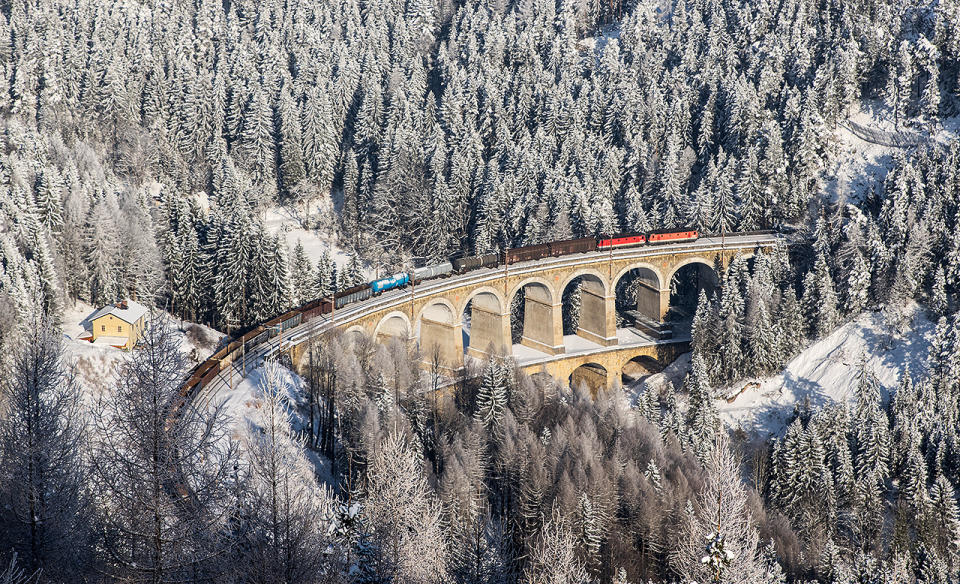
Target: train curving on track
[[247, 344]]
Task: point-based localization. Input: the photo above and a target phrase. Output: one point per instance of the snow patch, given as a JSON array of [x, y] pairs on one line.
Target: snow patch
[[283, 221], [670, 379], [866, 144]]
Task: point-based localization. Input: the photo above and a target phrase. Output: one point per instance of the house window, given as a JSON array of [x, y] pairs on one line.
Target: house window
[[119, 328], [103, 328]]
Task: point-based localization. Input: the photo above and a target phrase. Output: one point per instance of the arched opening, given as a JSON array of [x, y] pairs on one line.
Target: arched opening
[[593, 375], [485, 326], [639, 368], [355, 336], [638, 290], [393, 327], [584, 309], [534, 318], [641, 303], [439, 337], [685, 286]]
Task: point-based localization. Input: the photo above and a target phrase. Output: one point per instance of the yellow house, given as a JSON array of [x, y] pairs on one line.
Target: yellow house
[[119, 324]]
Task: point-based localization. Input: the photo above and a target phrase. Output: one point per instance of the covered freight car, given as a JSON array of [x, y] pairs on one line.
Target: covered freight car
[[526, 253], [315, 308], [570, 246]]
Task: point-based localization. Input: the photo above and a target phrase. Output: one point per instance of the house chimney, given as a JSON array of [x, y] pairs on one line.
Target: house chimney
[[122, 304]]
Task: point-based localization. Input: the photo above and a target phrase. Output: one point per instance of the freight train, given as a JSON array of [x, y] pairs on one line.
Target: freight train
[[236, 348]]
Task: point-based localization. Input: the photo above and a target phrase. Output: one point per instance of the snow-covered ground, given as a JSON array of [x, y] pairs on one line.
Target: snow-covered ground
[[828, 371], [596, 44], [858, 163], [673, 374], [97, 364], [282, 220]]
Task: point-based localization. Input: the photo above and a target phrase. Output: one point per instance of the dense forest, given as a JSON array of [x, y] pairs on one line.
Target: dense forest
[[143, 143], [419, 129]]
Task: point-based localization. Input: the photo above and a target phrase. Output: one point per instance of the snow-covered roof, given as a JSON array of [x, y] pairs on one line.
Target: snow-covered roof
[[126, 310]]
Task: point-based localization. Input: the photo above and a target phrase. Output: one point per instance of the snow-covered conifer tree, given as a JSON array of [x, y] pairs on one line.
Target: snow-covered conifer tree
[[819, 299], [302, 277], [702, 415], [100, 255], [928, 57], [491, 398], [292, 170]]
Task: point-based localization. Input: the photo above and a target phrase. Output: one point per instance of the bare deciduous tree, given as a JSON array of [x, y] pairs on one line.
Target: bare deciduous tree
[[288, 520], [720, 509], [553, 558], [43, 508], [404, 515], [162, 470]]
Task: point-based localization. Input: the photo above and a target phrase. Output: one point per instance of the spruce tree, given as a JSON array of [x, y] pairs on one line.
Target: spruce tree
[[939, 303], [762, 343], [702, 415], [292, 170], [326, 275], [943, 520], [856, 295], [913, 480], [819, 299], [302, 277], [258, 141]]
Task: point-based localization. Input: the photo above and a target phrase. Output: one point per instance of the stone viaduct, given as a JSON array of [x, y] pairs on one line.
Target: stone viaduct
[[470, 314]]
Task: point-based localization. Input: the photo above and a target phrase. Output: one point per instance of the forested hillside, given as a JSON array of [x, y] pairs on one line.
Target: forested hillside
[[432, 127], [143, 143]]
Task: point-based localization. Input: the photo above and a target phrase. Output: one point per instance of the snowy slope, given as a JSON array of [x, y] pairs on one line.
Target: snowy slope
[[827, 371], [673, 374], [97, 364], [860, 163], [242, 401]]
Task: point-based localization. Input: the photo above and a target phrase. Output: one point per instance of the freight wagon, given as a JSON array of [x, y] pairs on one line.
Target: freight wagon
[[351, 295], [462, 265], [572, 246], [398, 280], [428, 272], [526, 253]]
